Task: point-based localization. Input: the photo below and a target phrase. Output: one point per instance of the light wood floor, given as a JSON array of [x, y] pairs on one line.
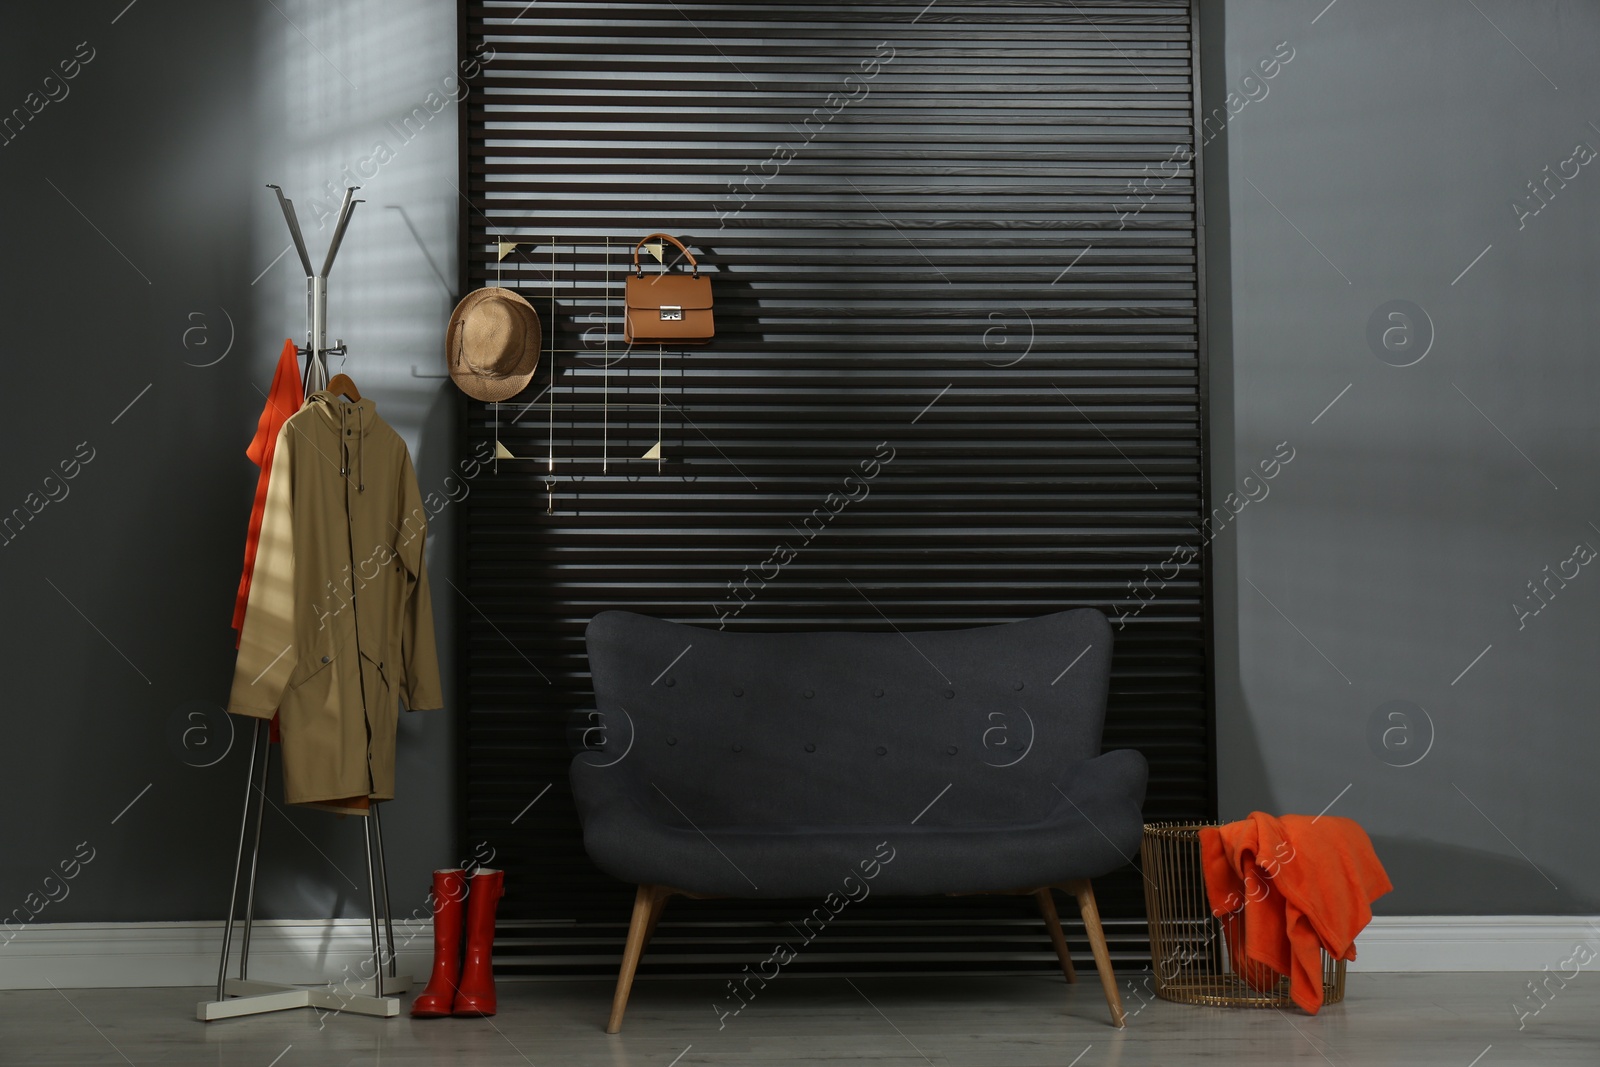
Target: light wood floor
[[1403, 1020]]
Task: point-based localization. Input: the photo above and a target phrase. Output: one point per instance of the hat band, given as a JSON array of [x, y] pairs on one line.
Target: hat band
[[463, 361]]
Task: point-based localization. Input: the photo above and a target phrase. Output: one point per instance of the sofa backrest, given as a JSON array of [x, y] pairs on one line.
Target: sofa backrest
[[850, 729]]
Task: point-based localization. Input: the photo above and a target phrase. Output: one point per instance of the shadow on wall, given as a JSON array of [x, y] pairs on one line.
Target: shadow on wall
[[1434, 496], [1484, 882], [364, 93], [1241, 766]]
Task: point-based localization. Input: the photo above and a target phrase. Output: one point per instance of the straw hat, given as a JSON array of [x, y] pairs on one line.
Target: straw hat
[[492, 344]]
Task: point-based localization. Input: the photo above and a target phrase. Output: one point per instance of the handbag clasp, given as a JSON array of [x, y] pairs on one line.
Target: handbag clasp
[[671, 313]]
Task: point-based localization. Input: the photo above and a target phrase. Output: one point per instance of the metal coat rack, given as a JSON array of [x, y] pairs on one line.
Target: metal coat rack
[[316, 350], [367, 994]]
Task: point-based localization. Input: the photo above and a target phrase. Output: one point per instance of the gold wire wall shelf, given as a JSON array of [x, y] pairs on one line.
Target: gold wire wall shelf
[[603, 351]]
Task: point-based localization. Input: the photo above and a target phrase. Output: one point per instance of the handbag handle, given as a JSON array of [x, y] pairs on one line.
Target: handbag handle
[[694, 263]]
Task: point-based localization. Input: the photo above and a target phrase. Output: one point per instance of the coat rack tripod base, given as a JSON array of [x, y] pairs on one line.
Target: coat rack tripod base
[[254, 998], [367, 993]]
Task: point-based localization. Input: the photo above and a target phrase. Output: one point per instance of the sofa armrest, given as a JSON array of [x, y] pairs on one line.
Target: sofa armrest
[[1107, 792], [1117, 777], [629, 829], [608, 790]]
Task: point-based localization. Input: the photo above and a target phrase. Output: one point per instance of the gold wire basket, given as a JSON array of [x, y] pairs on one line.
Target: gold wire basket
[[1189, 946]]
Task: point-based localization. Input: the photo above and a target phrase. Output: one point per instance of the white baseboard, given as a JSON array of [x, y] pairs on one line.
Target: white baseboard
[[311, 952], [1472, 942], [304, 952]]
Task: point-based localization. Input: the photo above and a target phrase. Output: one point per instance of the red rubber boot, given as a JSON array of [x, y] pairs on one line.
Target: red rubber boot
[[475, 994], [449, 902]]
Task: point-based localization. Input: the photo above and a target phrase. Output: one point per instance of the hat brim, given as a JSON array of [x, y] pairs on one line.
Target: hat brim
[[509, 385]]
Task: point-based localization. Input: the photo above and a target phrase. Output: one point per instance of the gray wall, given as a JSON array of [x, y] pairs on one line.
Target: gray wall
[[1381, 161], [1396, 541], [118, 595]]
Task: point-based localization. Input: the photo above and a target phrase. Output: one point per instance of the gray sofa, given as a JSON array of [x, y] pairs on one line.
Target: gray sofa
[[946, 762]]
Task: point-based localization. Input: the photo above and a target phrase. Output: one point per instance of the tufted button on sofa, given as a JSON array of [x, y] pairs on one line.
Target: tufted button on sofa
[[769, 764]]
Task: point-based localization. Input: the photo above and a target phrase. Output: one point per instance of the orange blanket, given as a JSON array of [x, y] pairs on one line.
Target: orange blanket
[[1296, 885]]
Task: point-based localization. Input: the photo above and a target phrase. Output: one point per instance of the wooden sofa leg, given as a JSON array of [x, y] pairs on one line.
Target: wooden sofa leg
[[646, 903], [658, 905], [1097, 943], [1052, 922]]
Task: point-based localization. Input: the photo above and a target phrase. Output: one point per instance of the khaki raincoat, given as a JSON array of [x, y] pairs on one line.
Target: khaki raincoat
[[339, 625]]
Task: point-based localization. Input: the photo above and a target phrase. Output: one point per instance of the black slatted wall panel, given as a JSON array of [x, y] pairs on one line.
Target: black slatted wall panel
[[923, 237]]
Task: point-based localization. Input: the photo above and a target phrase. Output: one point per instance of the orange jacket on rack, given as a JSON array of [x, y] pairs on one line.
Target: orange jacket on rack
[[283, 400], [339, 625]]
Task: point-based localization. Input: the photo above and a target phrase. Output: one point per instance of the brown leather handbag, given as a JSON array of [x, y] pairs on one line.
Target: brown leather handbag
[[666, 308]]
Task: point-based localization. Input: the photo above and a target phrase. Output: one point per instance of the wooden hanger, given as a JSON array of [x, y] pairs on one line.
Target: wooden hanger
[[341, 385]]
